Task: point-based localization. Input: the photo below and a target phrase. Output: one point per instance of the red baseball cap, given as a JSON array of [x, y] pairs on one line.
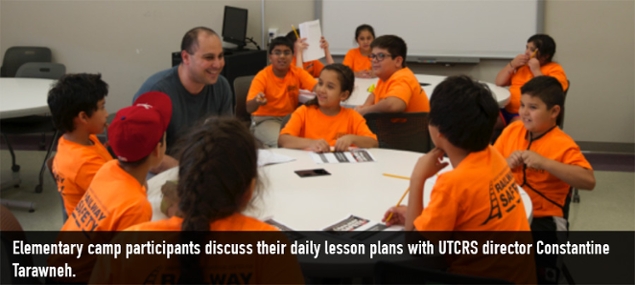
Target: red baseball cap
[[136, 130]]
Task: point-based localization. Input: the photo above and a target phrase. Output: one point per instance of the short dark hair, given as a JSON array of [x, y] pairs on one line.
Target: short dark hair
[[190, 39], [346, 77], [280, 41], [545, 45], [364, 27], [72, 94], [547, 88], [291, 35], [395, 45], [464, 111]]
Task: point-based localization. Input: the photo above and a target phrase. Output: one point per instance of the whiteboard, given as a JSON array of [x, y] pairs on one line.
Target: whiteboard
[[437, 28]]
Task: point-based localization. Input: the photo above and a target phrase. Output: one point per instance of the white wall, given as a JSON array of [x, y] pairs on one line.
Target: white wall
[[127, 41]]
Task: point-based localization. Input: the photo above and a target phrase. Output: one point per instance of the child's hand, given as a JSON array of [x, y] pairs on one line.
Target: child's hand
[[320, 146], [343, 143], [301, 44], [324, 44], [429, 164], [519, 60], [534, 65], [361, 110], [515, 159], [261, 99], [398, 216], [533, 160]]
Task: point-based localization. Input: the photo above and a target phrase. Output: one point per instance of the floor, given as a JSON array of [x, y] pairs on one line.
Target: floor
[[611, 206]]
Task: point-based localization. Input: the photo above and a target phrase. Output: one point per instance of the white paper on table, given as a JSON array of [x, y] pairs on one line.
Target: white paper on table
[[306, 95], [351, 156], [313, 33], [266, 157], [355, 228]]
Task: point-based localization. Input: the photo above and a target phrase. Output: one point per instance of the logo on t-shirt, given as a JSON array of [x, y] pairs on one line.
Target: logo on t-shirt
[[503, 194]]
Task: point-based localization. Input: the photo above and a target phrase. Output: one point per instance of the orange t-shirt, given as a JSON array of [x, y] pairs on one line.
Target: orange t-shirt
[[555, 145], [309, 122], [523, 75], [404, 85], [251, 268], [356, 61], [114, 201], [480, 194], [281, 93], [313, 67], [75, 166]]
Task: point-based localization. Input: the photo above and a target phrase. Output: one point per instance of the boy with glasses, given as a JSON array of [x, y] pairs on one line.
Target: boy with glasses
[[274, 92], [398, 89]]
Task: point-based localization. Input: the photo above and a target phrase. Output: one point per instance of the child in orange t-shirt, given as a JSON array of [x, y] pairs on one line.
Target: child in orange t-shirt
[[116, 198], [322, 122], [536, 61], [78, 107], [226, 153], [479, 194], [398, 89], [358, 58], [546, 161], [313, 67], [274, 92]]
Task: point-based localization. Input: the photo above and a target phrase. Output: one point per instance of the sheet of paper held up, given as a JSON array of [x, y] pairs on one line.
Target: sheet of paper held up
[[266, 157], [313, 33]]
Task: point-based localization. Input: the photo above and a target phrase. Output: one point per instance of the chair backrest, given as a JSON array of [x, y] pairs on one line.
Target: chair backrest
[[402, 131], [48, 70], [15, 57], [241, 88], [49, 165], [560, 119], [392, 273]]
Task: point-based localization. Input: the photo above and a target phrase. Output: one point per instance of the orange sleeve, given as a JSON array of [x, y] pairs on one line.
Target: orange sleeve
[[257, 85], [573, 156], [441, 213], [349, 59], [317, 68], [399, 89], [87, 171], [139, 213], [557, 72], [296, 123], [307, 81], [361, 128]]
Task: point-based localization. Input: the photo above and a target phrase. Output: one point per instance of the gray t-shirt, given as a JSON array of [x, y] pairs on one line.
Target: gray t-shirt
[[187, 108]]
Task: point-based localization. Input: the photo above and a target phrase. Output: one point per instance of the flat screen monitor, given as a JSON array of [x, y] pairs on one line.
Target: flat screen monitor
[[235, 25]]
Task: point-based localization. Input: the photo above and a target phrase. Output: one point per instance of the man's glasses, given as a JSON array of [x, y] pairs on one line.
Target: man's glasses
[[378, 57], [279, 52]]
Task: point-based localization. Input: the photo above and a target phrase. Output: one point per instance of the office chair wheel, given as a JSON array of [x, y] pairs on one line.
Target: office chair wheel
[[15, 168], [38, 188]]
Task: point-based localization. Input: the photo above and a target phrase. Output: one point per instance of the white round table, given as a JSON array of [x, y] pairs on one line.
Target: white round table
[[21, 97], [360, 91], [313, 203]]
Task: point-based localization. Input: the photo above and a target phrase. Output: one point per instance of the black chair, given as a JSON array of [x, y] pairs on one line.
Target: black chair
[[49, 166], [393, 273], [402, 131], [241, 89], [15, 57]]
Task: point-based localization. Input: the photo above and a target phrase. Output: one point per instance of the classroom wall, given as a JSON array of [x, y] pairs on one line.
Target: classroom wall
[[127, 41]]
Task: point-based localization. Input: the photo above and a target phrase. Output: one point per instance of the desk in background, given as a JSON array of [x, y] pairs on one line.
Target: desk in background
[[21, 97], [352, 188]]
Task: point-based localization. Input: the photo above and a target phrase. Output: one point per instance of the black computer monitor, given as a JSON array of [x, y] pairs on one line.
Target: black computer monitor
[[235, 26]]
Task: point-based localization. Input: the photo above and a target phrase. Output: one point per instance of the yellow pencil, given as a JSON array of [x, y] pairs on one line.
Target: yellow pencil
[[398, 203], [396, 176], [295, 32], [534, 54]]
